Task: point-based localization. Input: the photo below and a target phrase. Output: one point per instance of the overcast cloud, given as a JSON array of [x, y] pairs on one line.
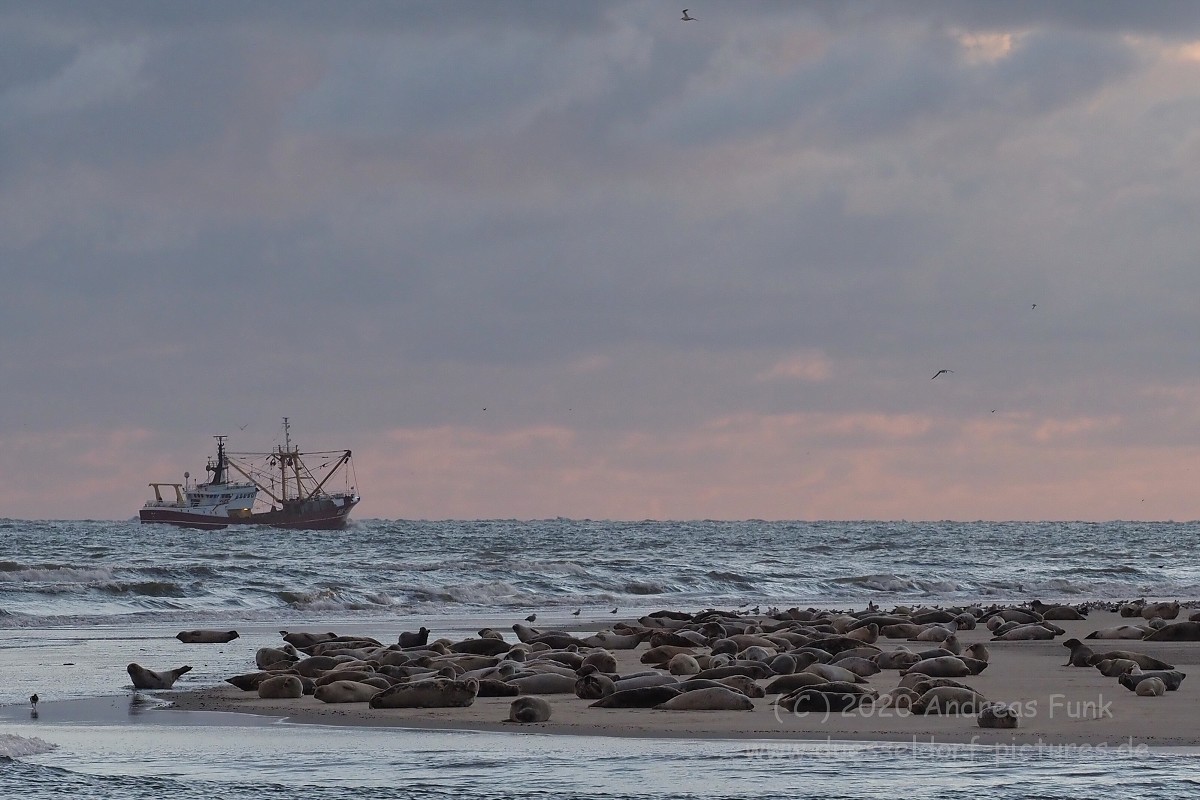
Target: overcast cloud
[[531, 259]]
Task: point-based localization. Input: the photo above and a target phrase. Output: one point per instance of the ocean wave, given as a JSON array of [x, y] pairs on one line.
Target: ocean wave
[[13, 746], [57, 574], [143, 588], [643, 588], [880, 582]]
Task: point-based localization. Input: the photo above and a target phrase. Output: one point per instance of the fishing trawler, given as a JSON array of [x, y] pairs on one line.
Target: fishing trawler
[[296, 496]]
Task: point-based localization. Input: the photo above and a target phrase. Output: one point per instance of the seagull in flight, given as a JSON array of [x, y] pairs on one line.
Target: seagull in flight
[[686, 18], [941, 372]]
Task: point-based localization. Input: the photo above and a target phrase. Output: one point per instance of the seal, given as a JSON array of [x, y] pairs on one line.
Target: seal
[[644, 697], [1176, 632], [302, 639], [270, 657], [1143, 661], [978, 651], [1026, 632], [998, 715], [831, 672], [861, 667], [528, 709], [747, 686], [1119, 632], [414, 638], [436, 693], [485, 646], [604, 661], [785, 684], [206, 637], [682, 664], [491, 687], [1151, 687], [714, 698], [346, 692], [940, 667], [948, 700], [281, 687], [1116, 667], [149, 679], [545, 683], [1163, 610], [594, 686], [1171, 678]]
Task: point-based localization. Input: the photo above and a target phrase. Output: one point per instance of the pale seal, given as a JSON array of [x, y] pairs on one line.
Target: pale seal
[[683, 664], [831, 672], [281, 687], [1151, 687], [528, 709], [346, 692], [1026, 632], [710, 699], [940, 667], [948, 700], [149, 679]]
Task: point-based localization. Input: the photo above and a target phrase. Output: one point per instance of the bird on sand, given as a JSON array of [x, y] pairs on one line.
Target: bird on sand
[[686, 18], [531, 618], [33, 700], [575, 613], [613, 611], [941, 372]]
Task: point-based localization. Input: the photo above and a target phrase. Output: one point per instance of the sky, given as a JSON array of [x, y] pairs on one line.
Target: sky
[[538, 259]]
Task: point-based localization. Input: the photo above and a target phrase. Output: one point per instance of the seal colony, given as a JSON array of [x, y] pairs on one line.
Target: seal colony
[[983, 674]]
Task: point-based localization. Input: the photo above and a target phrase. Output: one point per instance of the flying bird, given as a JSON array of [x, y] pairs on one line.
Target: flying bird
[[941, 372], [686, 18], [1034, 306]]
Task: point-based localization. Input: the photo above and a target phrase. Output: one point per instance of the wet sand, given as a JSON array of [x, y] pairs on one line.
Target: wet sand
[[1060, 705]]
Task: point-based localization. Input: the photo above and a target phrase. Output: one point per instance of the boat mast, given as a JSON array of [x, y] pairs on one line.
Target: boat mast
[[217, 468], [284, 451]]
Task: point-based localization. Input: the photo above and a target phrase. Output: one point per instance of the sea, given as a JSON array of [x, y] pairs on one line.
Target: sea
[[79, 600]]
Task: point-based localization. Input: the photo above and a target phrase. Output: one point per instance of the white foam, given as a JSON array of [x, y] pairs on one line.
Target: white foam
[[17, 746]]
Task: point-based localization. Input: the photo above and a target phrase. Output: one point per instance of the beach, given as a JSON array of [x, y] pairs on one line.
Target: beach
[[82, 600], [1059, 705]]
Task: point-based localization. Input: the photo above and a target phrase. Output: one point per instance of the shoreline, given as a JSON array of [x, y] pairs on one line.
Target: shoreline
[[1062, 706]]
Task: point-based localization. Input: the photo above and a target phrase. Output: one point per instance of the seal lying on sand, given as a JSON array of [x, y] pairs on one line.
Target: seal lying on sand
[[529, 709], [206, 637], [998, 715], [711, 699], [1171, 678], [149, 679], [437, 693]]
